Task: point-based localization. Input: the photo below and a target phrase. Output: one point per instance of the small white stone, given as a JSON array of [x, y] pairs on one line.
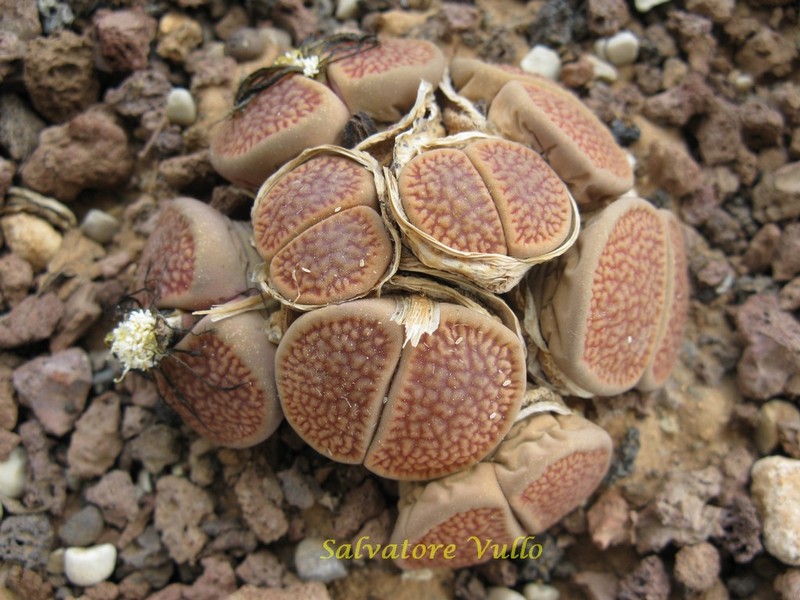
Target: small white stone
[[776, 493], [346, 9], [314, 563], [89, 566], [621, 49], [12, 473], [503, 593], [181, 108], [540, 591], [602, 70], [99, 226], [743, 82], [543, 61], [644, 6]]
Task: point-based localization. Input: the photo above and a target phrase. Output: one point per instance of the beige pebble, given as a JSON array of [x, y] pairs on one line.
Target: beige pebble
[[178, 35], [181, 108], [543, 61], [89, 566], [776, 494], [770, 415], [99, 226], [31, 238]]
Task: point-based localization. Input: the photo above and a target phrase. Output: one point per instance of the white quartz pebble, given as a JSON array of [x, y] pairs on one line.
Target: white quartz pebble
[[314, 562], [540, 591], [543, 61], [602, 70], [89, 566], [776, 493], [181, 108], [99, 226], [12, 473], [644, 6], [621, 49], [503, 593]]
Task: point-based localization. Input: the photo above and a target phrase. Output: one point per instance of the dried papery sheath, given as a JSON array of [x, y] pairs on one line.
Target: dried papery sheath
[[322, 229], [479, 206]]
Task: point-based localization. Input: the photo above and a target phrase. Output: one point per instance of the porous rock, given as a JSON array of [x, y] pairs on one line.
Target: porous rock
[[758, 256], [26, 539], [671, 167], [180, 507], [770, 363], [16, 278], [767, 52], [719, 134], [259, 494], [59, 75], [91, 151], [776, 494], [96, 441], [776, 197], [676, 105], [55, 387], [789, 296], [301, 591], [115, 494], [648, 580], [123, 38], [762, 125], [787, 257], [607, 17], [156, 447], [178, 35]]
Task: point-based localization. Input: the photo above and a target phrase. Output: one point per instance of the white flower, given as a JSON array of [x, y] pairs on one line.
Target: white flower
[[135, 343], [295, 58]]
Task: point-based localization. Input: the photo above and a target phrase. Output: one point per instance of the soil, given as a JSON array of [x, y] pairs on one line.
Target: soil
[[710, 109]]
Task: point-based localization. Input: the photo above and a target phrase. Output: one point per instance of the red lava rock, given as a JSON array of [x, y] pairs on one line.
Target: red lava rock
[[217, 581], [609, 520], [456, 16], [770, 363], [724, 231], [607, 17], [777, 196], [672, 168], [156, 447], [263, 569], [96, 442], [767, 52], [709, 266], [677, 105], [762, 125], [260, 497], [718, 11], [91, 151], [759, 254], [787, 257], [696, 38], [81, 311], [648, 581], [124, 37], [789, 296], [697, 567], [187, 170], [34, 319], [139, 94], [697, 207], [360, 504], [719, 134], [180, 507], [46, 487], [55, 387], [59, 75], [16, 279]]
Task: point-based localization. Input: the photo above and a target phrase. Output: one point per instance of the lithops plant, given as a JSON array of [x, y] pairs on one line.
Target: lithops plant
[[546, 467], [483, 207], [319, 226], [548, 118], [609, 315], [411, 387], [288, 107], [195, 257]]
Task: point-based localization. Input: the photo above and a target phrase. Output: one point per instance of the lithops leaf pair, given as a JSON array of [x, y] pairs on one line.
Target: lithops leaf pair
[[411, 387], [546, 467], [542, 114], [483, 207], [319, 227], [219, 376], [308, 96], [609, 314]]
